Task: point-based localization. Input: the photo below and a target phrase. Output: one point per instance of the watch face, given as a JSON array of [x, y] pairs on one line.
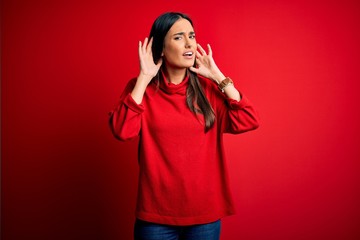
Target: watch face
[[227, 81]]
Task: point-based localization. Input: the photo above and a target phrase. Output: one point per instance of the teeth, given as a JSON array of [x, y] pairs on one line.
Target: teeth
[[188, 54]]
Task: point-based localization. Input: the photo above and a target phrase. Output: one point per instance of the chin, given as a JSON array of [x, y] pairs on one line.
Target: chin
[[183, 66], [187, 65], [180, 65]]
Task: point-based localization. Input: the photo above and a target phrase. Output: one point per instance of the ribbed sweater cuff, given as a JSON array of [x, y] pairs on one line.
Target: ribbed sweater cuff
[[130, 102], [238, 104]]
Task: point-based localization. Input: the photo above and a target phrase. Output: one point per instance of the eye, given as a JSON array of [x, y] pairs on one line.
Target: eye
[[177, 38], [192, 36]]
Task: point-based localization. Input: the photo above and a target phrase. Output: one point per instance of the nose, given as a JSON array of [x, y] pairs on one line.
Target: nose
[[188, 43]]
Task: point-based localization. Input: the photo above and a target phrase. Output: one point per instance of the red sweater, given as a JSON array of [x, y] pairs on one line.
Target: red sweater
[[183, 179]]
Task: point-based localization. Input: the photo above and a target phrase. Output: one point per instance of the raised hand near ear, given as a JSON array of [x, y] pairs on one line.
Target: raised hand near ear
[[148, 69], [206, 65]]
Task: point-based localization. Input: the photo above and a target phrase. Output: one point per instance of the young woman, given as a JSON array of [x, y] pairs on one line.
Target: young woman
[[180, 105]]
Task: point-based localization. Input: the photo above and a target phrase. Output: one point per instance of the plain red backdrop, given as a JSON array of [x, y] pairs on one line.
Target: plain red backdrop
[[65, 63]]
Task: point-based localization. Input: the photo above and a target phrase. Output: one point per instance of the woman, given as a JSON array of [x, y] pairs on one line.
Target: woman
[[180, 105]]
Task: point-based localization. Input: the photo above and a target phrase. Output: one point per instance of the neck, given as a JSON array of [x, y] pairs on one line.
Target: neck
[[175, 76]]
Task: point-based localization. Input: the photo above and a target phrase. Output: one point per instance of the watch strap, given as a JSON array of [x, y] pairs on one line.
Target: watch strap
[[224, 83]]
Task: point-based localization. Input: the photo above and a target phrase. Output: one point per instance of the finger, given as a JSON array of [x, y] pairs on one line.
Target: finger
[[197, 62], [140, 48], [145, 44], [198, 55], [209, 50], [148, 48], [201, 50]]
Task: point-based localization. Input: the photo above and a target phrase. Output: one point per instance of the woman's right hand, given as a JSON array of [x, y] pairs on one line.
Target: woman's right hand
[[148, 69]]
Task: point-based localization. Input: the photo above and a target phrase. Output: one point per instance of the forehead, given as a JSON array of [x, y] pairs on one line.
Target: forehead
[[181, 25]]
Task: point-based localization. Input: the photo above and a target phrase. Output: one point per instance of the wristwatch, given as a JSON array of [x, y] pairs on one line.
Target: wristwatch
[[224, 83]]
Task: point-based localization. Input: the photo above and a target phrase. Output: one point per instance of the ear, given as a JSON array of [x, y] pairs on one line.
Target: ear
[[162, 54]]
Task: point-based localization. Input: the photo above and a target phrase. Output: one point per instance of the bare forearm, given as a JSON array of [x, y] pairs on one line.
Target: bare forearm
[[148, 70], [139, 89], [230, 91]]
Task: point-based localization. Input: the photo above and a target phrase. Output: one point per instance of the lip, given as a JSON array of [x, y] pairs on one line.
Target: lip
[[188, 54]]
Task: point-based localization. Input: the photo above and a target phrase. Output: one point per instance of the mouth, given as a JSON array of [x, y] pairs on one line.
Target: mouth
[[188, 54]]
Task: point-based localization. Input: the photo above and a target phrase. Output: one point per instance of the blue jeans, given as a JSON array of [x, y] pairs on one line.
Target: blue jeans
[[153, 231]]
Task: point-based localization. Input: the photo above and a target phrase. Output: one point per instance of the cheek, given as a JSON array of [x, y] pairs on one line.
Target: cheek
[[171, 47], [171, 52]]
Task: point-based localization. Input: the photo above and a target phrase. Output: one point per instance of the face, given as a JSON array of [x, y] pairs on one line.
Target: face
[[180, 45]]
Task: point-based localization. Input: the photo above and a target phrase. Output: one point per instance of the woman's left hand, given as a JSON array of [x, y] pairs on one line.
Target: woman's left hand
[[206, 65]]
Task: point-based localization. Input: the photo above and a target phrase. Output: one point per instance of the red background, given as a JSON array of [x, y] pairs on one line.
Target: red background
[[65, 63]]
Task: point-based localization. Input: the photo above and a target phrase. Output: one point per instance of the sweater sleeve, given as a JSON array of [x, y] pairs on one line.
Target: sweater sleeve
[[239, 116], [235, 116], [125, 118]]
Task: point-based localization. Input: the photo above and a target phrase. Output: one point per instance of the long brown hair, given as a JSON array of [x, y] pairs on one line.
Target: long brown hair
[[195, 96]]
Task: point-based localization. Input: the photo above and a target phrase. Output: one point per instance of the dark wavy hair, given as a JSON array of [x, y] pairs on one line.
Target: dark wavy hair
[[195, 97]]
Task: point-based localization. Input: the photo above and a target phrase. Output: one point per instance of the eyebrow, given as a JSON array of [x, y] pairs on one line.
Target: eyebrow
[[182, 33]]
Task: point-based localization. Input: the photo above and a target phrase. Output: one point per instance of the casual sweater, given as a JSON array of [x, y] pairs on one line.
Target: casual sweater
[[183, 177]]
